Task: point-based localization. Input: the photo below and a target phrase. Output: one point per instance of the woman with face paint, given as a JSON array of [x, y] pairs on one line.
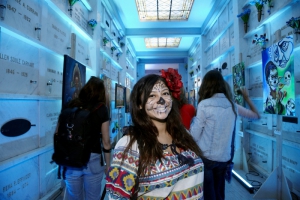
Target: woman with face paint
[[158, 158]]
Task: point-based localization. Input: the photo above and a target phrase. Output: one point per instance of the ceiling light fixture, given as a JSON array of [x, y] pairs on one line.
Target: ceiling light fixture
[[164, 10], [162, 42]]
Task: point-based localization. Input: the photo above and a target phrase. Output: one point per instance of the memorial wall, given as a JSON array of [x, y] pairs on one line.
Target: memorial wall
[[228, 42], [34, 37]]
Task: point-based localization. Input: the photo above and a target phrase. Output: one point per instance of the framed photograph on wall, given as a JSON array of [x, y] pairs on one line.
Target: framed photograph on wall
[[127, 100], [74, 78], [119, 96], [107, 84]]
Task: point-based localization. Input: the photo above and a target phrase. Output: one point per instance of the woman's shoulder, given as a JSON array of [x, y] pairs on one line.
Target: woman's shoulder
[[124, 142]]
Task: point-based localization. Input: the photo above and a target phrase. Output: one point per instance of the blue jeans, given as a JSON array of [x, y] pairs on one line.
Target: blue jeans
[[214, 179], [85, 183]]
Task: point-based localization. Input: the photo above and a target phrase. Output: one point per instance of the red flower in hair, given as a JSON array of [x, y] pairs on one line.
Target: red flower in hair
[[173, 81]]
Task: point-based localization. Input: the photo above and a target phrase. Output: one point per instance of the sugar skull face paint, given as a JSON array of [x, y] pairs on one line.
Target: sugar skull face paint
[[159, 102]]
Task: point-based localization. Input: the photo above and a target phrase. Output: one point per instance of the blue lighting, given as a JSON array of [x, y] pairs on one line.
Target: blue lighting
[[51, 171], [244, 181], [87, 5], [129, 63], [69, 20], [129, 76], [113, 62], [18, 35]]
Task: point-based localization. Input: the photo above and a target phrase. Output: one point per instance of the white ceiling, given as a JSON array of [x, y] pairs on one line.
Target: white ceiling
[[190, 30]]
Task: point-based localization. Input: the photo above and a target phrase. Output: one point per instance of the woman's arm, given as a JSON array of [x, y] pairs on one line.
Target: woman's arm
[[244, 112], [106, 143], [122, 175]]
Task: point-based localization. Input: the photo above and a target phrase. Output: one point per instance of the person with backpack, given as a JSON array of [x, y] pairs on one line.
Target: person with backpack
[[157, 158], [84, 126]]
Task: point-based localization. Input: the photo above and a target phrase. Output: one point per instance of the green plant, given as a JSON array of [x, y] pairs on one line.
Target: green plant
[[105, 41], [294, 22], [261, 40], [245, 15], [72, 2], [113, 49], [259, 4], [92, 23]]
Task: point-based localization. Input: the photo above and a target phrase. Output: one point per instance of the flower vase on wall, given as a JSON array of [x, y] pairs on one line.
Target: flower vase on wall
[[245, 27], [297, 30], [259, 13]]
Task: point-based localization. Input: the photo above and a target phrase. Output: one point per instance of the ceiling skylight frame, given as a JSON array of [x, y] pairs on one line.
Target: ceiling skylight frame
[[164, 10], [162, 42]]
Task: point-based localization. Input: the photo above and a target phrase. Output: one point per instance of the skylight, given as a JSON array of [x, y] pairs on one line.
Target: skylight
[[164, 10], [162, 42]]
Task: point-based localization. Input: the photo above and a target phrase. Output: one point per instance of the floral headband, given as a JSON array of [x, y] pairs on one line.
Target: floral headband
[[173, 80]]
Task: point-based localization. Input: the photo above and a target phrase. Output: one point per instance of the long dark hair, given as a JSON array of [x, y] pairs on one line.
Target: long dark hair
[[92, 93], [145, 132], [213, 83]]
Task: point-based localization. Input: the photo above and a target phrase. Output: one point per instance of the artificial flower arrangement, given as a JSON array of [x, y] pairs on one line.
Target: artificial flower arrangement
[[173, 79], [261, 40], [122, 44], [115, 128], [105, 41], [191, 73], [294, 22], [92, 23], [118, 55], [71, 2], [120, 39], [245, 17], [113, 49], [259, 4], [270, 5]]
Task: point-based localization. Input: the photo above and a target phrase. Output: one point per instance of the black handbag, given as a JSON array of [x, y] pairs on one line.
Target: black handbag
[[230, 164]]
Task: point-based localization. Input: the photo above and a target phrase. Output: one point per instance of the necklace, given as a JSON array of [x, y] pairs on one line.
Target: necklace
[[165, 146], [181, 158]]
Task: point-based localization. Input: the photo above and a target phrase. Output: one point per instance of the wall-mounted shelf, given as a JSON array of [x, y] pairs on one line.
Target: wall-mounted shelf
[[113, 62], [9, 96], [32, 41], [129, 76], [271, 17], [129, 63], [273, 138], [111, 38]]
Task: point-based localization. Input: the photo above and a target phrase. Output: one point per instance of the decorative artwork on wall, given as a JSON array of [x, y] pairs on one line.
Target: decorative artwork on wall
[[73, 79], [192, 97], [107, 85], [238, 73], [127, 102], [278, 78], [119, 96]]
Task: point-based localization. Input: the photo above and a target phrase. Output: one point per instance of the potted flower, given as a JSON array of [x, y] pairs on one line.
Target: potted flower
[[113, 49], [270, 5], [259, 4], [105, 41], [118, 55], [295, 24], [191, 73], [245, 17], [92, 23], [261, 40], [122, 44]]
